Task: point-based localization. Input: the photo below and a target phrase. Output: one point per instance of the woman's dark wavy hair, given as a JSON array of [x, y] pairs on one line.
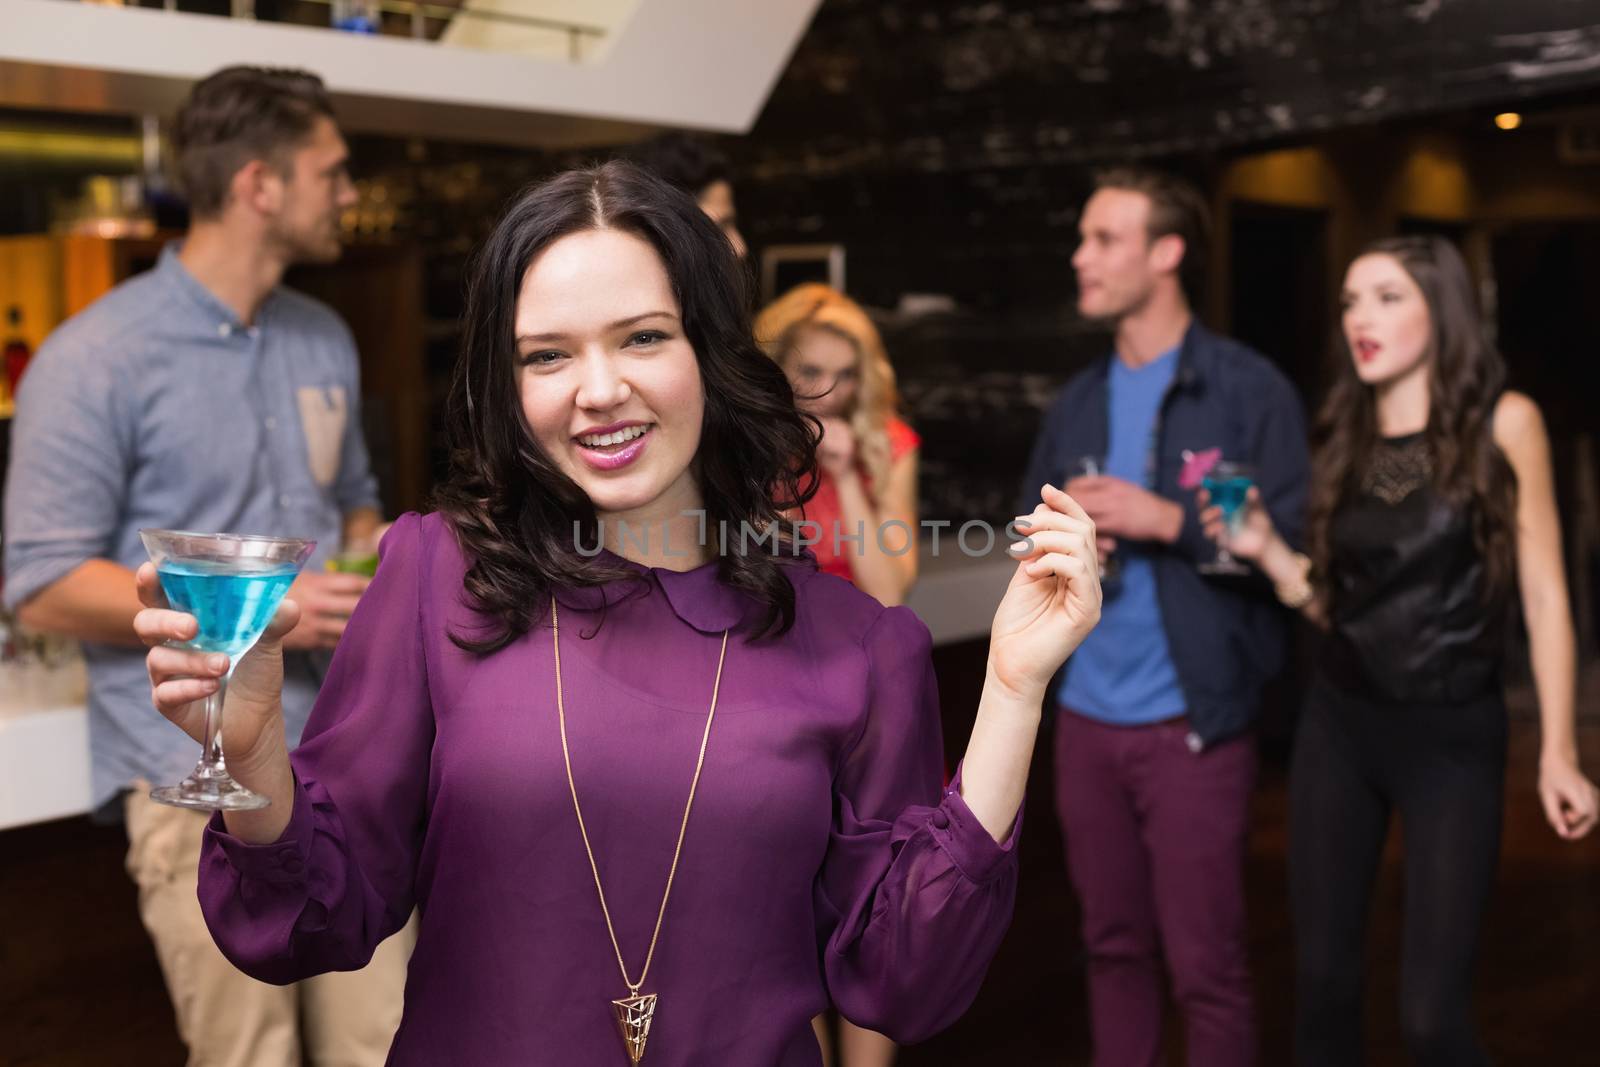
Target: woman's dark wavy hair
[[512, 509], [1466, 380]]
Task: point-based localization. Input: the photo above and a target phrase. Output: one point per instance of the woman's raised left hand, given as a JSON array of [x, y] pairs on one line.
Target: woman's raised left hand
[[1054, 597]]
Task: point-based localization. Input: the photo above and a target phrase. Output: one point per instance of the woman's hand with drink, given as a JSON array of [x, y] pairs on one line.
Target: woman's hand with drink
[[1249, 535], [252, 731]]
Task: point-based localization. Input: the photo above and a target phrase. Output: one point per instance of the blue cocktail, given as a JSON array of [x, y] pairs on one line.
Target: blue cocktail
[[1228, 485], [231, 608], [232, 585]]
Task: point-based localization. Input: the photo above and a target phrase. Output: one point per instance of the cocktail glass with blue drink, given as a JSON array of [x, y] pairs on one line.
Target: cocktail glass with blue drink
[[232, 584], [1229, 486]]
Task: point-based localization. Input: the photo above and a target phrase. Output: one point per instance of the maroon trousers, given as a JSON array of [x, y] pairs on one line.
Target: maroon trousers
[[1155, 836]]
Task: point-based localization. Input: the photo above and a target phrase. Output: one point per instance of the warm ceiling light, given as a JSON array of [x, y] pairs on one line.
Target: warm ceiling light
[[1508, 120]]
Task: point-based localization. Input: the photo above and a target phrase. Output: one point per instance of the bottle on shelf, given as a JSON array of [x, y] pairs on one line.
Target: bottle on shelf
[[16, 357], [356, 16]]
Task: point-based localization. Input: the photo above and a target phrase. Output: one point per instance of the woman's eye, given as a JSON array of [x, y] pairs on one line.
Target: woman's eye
[[647, 337], [536, 359]]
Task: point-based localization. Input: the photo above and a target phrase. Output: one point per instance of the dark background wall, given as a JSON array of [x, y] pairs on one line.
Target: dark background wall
[[946, 141], [947, 146]]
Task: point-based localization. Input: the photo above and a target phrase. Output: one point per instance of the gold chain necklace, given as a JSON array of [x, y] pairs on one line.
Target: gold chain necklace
[[635, 1011]]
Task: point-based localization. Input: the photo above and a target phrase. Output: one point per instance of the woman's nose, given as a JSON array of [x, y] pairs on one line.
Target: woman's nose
[[602, 385]]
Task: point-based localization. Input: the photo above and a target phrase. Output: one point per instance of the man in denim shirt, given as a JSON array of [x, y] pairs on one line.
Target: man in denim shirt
[[203, 395], [1154, 759]]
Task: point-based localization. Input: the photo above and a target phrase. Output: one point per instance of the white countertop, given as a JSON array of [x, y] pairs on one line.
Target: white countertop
[[956, 594], [44, 729], [44, 744]]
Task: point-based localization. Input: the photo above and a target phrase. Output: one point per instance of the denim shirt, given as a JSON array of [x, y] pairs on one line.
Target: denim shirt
[[1227, 635], [157, 407]]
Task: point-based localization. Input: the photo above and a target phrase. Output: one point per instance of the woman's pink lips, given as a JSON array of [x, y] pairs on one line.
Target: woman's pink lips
[[610, 461]]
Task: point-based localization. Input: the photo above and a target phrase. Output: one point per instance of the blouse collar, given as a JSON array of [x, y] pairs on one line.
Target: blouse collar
[[696, 596]]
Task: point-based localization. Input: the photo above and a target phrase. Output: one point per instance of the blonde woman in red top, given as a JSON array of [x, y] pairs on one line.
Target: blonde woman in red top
[[867, 460], [840, 372]]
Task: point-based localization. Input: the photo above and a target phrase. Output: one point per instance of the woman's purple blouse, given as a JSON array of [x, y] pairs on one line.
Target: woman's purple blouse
[[823, 863]]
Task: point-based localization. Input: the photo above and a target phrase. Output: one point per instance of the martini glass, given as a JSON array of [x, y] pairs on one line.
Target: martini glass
[[1229, 485], [232, 584]]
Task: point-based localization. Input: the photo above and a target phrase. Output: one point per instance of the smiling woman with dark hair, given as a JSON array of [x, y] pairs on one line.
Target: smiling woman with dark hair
[[516, 508], [633, 778]]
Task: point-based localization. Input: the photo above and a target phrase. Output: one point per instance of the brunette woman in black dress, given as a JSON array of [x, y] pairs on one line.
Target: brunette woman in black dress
[[1432, 506]]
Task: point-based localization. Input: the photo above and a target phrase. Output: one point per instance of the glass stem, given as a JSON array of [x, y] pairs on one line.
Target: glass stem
[[1233, 526], [211, 764]]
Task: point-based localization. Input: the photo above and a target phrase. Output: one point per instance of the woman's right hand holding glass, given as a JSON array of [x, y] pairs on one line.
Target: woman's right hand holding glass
[[252, 726], [1250, 536]]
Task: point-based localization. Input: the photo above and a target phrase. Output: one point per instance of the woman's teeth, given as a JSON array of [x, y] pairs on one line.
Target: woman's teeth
[[605, 440]]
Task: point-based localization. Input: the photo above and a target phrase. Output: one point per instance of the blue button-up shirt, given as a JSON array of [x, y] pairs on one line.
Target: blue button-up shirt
[[157, 407]]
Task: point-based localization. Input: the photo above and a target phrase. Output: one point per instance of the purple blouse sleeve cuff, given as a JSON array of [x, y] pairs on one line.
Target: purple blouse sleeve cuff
[[283, 863], [976, 854]]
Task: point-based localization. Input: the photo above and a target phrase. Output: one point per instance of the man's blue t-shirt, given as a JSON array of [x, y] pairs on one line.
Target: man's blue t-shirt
[[1123, 672]]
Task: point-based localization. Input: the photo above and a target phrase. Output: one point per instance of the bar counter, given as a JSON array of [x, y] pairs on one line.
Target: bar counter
[[44, 732]]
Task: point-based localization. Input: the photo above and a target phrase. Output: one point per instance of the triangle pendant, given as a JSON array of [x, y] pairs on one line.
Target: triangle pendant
[[633, 1019]]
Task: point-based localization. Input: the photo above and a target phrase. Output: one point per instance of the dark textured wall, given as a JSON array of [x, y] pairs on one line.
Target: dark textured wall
[[940, 84], [947, 145], [946, 141]]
